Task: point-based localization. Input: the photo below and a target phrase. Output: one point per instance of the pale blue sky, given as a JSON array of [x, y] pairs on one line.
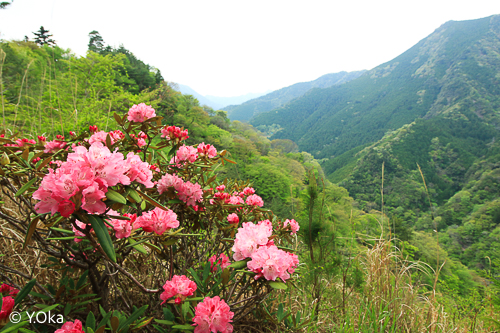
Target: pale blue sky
[[232, 47]]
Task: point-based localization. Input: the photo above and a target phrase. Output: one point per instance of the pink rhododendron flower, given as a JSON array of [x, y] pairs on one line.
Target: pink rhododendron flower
[[190, 193], [222, 261], [77, 232], [207, 150], [122, 228], [100, 137], [173, 132], [254, 200], [212, 315], [42, 139], [233, 218], [70, 327], [54, 146], [139, 171], [186, 153], [248, 190], [91, 201], [169, 180], [235, 200], [140, 113], [66, 208], [271, 262], [221, 188], [157, 220], [249, 237], [294, 225], [93, 129], [7, 290], [7, 306], [180, 286]]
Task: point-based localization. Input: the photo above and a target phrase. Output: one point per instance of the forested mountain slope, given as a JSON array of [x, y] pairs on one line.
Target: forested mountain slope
[[282, 96], [452, 71]]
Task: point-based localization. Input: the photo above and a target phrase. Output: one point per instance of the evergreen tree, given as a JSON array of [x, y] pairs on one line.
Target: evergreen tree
[[43, 38], [96, 43], [4, 4]]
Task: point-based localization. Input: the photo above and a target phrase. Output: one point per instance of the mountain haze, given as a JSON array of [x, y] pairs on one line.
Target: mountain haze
[[217, 102], [280, 97]]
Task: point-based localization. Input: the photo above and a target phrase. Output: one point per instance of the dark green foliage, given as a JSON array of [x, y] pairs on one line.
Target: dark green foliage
[[43, 37], [96, 43]]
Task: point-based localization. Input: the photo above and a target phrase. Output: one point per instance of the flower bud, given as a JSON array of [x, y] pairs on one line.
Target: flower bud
[[4, 160]]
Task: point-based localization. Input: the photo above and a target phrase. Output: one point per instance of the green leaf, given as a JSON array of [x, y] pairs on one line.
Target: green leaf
[[206, 272], [25, 187], [184, 327], [133, 317], [134, 195], [67, 309], [195, 277], [136, 246], [185, 310], [8, 328], [168, 315], [90, 322], [82, 279], [278, 285], [239, 264], [62, 230], [115, 196], [24, 292], [164, 322], [103, 236]]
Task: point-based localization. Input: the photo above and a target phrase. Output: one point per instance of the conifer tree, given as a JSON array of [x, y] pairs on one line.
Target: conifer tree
[[4, 4], [43, 38], [96, 43]]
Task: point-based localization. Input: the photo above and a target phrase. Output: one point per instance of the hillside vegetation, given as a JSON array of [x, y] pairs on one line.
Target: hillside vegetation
[[369, 263]]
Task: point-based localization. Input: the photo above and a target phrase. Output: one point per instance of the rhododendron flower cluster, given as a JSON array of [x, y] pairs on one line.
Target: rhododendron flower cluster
[[140, 113], [54, 146], [140, 138], [6, 310], [294, 225], [252, 241], [102, 135], [207, 150], [23, 143], [233, 218], [222, 261], [7, 290], [271, 262], [180, 286], [71, 327], [174, 133], [185, 153], [188, 192], [157, 220], [87, 174], [212, 315], [249, 237], [254, 200]]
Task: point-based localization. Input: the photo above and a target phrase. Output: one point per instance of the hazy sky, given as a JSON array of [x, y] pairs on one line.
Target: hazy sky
[[229, 48]]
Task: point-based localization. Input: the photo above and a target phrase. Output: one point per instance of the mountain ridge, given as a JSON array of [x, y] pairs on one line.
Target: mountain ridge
[[277, 98]]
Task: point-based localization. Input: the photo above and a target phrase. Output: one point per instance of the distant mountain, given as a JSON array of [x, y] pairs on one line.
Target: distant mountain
[[282, 96], [202, 99], [225, 101], [217, 102], [433, 112], [453, 72]]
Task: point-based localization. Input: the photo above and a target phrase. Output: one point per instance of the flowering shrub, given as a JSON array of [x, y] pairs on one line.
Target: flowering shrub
[[140, 201], [213, 315]]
